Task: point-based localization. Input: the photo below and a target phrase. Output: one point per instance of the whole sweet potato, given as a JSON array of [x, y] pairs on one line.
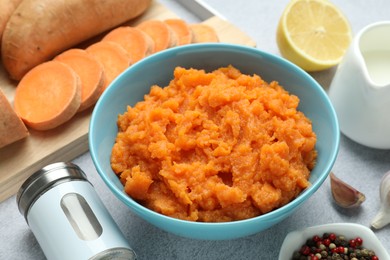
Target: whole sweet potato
[[6, 10], [40, 29]]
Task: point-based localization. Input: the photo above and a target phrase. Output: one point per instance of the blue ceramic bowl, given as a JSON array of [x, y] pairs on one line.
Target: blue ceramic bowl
[[131, 86]]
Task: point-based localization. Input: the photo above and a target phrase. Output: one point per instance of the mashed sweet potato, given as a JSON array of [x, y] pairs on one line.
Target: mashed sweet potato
[[214, 146]]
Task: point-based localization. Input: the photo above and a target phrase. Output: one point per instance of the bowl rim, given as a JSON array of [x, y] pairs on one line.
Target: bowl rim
[[296, 238], [292, 205]]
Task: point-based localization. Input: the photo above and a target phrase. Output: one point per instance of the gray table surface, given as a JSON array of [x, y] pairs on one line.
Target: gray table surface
[[360, 166]]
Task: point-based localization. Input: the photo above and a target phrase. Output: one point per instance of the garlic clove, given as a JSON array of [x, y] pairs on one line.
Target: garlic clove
[[345, 195], [383, 216]]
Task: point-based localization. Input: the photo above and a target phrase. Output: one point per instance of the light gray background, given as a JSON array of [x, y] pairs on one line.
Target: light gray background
[[360, 166]]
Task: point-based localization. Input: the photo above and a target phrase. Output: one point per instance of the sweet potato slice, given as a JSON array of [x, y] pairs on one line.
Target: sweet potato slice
[[89, 70], [112, 56], [163, 36], [12, 127], [48, 95], [38, 30], [182, 30], [137, 43], [203, 33]]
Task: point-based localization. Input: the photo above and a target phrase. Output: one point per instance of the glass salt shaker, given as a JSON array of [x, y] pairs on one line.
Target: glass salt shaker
[[68, 218]]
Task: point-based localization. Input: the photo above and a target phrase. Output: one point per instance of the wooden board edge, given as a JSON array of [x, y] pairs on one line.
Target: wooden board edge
[[228, 32], [12, 184]]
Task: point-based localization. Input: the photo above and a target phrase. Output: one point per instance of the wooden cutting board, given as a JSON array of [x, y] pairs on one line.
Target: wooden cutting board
[[19, 160]]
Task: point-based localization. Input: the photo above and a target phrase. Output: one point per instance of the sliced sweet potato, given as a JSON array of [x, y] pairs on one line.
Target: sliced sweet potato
[[112, 56], [203, 33], [48, 95], [137, 43], [89, 70], [163, 36], [182, 30]]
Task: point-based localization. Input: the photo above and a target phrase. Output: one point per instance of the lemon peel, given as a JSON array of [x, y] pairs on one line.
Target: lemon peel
[[313, 34]]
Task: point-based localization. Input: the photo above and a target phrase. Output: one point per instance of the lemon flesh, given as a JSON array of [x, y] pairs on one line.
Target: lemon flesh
[[313, 34]]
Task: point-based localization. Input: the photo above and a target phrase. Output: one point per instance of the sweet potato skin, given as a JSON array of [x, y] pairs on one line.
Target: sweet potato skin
[[12, 128], [6, 10], [40, 29]]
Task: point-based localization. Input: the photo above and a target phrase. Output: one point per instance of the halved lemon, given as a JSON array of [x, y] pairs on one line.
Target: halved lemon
[[313, 34]]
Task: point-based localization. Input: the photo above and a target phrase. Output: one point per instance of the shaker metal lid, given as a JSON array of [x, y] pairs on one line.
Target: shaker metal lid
[[43, 180]]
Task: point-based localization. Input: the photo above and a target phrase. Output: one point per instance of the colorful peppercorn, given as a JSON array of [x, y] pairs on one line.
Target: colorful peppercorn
[[330, 246]]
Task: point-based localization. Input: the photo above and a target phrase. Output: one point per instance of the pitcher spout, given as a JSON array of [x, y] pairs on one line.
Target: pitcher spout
[[374, 46]]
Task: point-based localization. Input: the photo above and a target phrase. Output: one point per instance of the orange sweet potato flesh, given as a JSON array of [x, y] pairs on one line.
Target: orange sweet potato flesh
[[182, 29], [137, 43], [89, 70], [214, 146], [48, 95], [40, 29], [113, 58], [12, 128], [203, 33], [163, 36]]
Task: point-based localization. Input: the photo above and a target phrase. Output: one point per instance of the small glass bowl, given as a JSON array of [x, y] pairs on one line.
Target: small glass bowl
[[295, 239]]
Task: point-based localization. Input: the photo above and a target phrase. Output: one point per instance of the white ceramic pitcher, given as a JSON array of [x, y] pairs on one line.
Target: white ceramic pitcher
[[360, 90]]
